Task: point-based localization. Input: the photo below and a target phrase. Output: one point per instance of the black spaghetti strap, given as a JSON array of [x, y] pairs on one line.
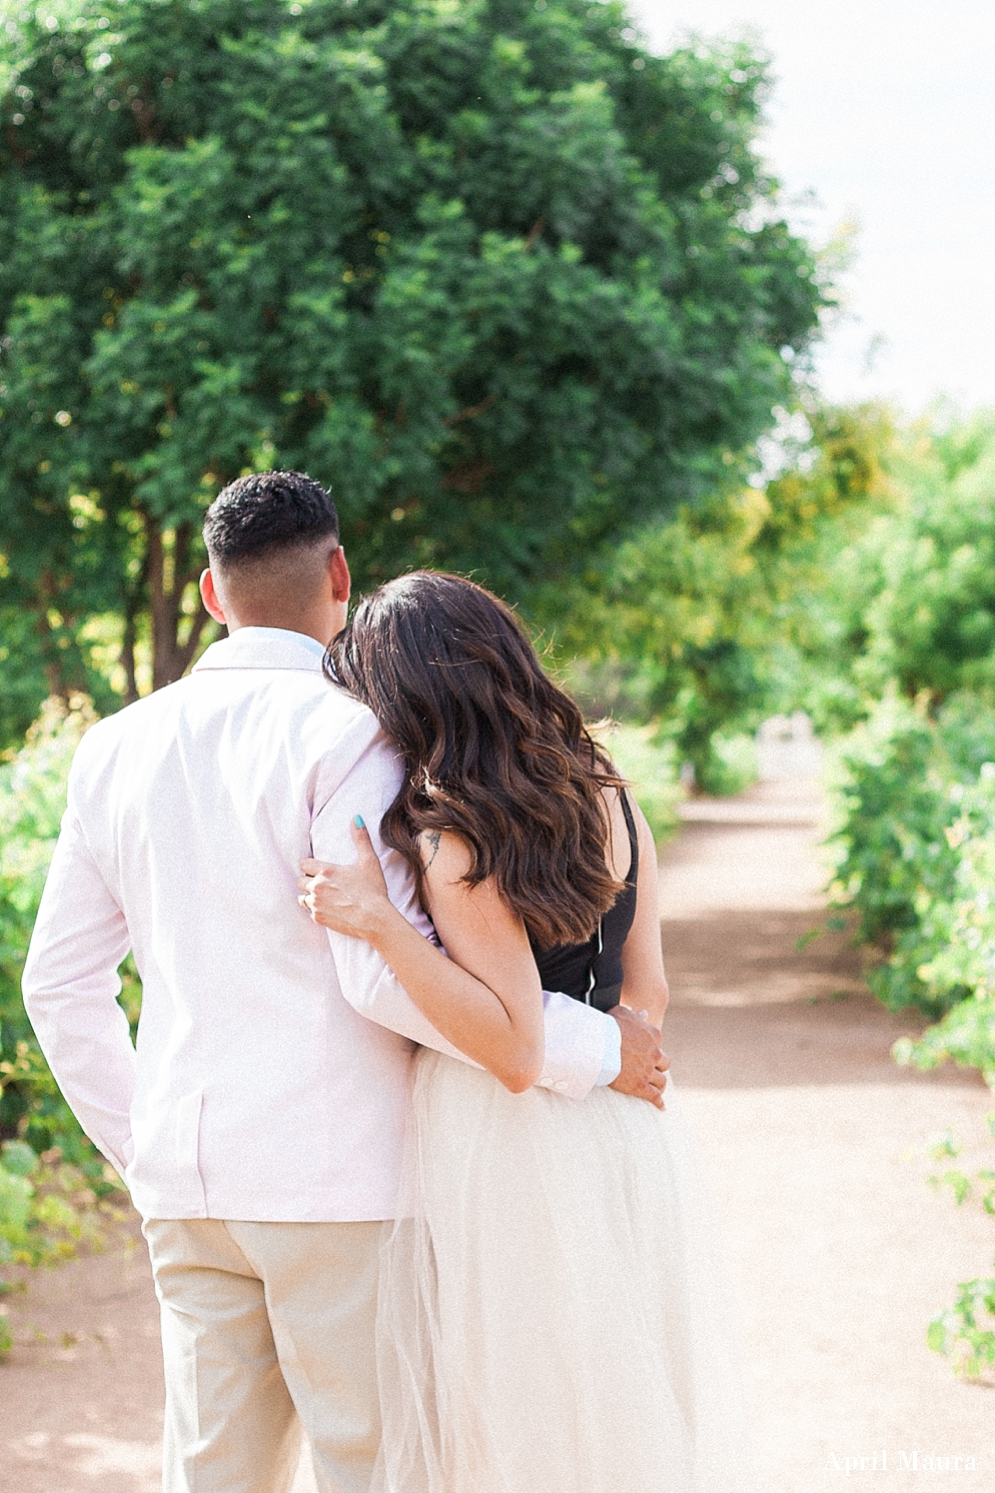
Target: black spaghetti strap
[[630, 825], [592, 971]]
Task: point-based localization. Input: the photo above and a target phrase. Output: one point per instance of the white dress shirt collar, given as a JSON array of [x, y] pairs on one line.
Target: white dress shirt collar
[[263, 648]]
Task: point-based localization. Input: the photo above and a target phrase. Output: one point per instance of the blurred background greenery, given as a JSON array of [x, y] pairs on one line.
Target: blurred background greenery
[[524, 296]]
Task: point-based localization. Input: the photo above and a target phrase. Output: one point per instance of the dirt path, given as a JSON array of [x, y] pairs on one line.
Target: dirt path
[[817, 1144], [839, 1251]]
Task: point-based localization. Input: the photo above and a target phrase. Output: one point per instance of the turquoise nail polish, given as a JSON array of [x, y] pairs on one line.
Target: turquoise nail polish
[[359, 822]]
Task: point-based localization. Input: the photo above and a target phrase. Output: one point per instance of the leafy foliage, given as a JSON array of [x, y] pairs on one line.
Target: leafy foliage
[[966, 1035], [32, 798], [962, 1185], [965, 1331], [932, 624], [904, 642], [898, 798], [911, 606], [954, 942], [695, 622], [505, 280], [914, 816], [49, 1210]]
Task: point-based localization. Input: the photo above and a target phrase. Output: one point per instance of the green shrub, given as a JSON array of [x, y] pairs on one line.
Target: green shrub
[[56, 1192], [966, 1036], [916, 844], [731, 765], [904, 782], [48, 1208], [965, 1331], [32, 798], [957, 939]]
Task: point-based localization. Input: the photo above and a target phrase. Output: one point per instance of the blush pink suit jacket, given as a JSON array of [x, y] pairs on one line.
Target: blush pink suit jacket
[[273, 1063]]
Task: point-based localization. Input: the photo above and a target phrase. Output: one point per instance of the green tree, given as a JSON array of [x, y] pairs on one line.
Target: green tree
[[507, 282], [911, 604], [711, 619], [931, 626]]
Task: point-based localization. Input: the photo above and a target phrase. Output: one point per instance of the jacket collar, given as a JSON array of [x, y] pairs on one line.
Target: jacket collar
[[263, 648]]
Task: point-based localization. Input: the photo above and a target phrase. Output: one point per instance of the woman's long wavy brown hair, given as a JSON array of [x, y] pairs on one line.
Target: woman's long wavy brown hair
[[492, 750]]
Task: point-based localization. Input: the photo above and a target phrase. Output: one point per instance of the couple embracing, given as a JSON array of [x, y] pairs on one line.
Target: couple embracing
[[394, 1119]]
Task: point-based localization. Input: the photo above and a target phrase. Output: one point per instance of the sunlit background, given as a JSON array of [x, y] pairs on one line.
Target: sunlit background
[[406, 261], [882, 127]]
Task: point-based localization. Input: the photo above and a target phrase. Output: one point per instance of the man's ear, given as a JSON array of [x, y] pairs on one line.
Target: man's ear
[[338, 570], [209, 597]]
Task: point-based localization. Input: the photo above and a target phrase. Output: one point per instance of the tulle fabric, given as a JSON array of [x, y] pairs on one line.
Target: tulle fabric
[[552, 1317]]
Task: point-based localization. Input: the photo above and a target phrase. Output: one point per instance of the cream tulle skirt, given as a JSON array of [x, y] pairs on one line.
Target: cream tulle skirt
[[552, 1317]]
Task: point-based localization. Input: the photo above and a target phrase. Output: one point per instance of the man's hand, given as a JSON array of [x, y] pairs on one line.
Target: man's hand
[[644, 1062]]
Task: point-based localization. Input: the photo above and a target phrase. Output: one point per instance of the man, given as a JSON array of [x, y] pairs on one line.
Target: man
[[258, 1124]]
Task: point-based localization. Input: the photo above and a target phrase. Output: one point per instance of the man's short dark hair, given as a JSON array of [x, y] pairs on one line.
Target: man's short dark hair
[[265, 512]]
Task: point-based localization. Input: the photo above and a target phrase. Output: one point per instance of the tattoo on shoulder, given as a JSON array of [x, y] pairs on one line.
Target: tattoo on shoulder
[[433, 836]]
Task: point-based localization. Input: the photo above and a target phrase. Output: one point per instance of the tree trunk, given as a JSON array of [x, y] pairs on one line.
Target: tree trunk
[[171, 569], [58, 685], [127, 655]]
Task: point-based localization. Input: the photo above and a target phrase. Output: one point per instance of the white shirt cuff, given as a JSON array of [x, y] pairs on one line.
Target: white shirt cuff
[[612, 1065]]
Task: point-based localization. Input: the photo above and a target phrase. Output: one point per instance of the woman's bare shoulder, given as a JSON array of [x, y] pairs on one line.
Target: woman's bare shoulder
[[445, 856]]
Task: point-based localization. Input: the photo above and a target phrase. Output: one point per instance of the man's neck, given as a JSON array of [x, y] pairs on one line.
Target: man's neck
[[321, 629]]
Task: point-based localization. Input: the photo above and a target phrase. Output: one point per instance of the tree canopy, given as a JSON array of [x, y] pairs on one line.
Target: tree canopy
[[505, 281]]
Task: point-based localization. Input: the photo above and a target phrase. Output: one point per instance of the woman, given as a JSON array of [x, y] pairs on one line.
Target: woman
[[550, 1319]]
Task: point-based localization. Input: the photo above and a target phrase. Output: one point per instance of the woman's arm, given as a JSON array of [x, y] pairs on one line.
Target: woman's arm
[[644, 983], [487, 998]]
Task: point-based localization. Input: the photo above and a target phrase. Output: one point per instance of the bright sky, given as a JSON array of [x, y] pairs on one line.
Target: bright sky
[[886, 110]]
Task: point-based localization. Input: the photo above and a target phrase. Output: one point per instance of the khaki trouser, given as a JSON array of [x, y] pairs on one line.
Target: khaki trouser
[[267, 1328]]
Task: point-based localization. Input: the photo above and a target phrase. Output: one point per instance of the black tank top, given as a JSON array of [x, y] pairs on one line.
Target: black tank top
[[592, 971]]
